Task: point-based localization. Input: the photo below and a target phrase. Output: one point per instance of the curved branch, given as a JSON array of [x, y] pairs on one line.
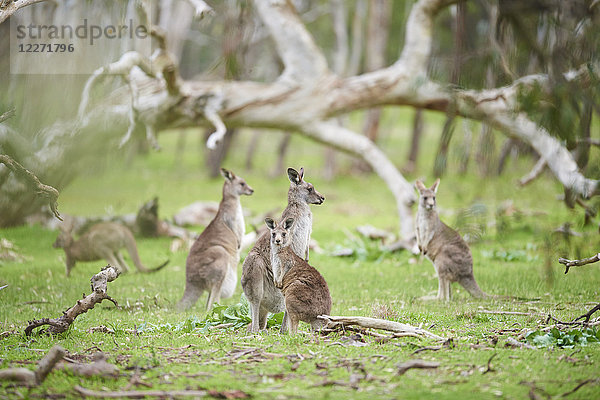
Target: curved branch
[[578, 263], [333, 134], [303, 60], [8, 8], [47, 192]]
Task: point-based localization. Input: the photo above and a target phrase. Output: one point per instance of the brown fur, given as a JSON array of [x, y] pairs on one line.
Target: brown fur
[[445, 248], [304, 289], [257, 274], [212, 262], [101, 241]]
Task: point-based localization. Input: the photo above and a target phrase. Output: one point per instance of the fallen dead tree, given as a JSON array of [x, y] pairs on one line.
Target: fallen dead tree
[[27, 377], [400, 329], [99, 287]]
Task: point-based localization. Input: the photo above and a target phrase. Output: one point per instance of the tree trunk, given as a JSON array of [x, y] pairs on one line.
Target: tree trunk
[[417, 131]]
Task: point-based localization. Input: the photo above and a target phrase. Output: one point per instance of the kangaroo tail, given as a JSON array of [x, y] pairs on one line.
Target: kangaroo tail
[[161, 266], [473, 288], [135, 257]]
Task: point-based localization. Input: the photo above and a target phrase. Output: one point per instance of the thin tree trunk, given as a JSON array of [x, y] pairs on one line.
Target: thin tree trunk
[[377, 38], [415, 141]]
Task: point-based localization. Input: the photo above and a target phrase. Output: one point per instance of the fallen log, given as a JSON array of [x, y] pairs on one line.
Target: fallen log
[[375, 323]]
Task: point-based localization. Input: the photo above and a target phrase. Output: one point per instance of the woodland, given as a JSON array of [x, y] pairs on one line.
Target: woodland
[[497, 99]]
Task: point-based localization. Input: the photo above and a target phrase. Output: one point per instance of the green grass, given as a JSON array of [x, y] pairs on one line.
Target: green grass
[[515, 255]]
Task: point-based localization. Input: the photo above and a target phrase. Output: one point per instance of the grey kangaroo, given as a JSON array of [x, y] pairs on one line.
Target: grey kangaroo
[[101, 241], [212, 262], [445, 248], [257, 274], [304, 289]]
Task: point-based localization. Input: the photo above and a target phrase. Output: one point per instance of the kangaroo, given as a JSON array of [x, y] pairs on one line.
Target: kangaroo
[[212, 262], [443, 246], [257, 274], [101, 241], [305, 292]]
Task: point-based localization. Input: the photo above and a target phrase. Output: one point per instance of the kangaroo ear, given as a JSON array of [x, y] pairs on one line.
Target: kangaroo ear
[[419, 186], [270, 223], [294, 176], [435, 185], [288, 223], [227, 174], [301, 173]]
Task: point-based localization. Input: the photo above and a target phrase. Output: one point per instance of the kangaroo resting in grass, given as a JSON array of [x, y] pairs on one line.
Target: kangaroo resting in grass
[[443, 246], [304, 289], [212, 262], [101, 241], [257, 274]]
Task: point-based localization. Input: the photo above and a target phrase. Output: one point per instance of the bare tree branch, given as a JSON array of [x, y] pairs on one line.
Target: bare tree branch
[[99, 283], [8, 8], [535, 172], [7, 114], [578, 263], [48, 193], [303, 60]]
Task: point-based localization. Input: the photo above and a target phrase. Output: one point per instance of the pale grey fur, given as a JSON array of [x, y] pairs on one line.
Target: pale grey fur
[[443, 246], [257, 272]]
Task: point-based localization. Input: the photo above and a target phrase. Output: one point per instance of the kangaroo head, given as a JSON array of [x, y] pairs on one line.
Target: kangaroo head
[[427, 195], [64, 239], [302, 191], [234, 185], [280, 233]]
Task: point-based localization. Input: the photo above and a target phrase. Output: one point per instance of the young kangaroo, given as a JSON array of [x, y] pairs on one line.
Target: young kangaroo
[[445, 248], [101, 241], [212, 262], [304, 289], [257, 274]]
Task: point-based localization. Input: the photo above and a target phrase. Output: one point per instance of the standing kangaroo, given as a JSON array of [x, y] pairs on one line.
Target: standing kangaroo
[[212, 262], [257, 274], [304, 289], [445, 248], [101, 241]]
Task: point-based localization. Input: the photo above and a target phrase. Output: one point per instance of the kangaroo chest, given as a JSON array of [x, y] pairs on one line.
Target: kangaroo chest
[[235, 222], [426, 227], [301, 234]]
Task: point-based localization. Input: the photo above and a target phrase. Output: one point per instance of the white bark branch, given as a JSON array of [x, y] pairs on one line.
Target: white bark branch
[[8, 8], [333, 134], [303, 60]]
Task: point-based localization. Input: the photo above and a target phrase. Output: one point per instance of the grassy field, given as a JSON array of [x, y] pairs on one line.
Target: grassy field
[[515, 254]]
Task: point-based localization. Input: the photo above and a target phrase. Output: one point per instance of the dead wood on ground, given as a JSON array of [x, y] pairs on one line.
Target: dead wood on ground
[[26, 377], [410, 364], [375, 323], [99, 283]]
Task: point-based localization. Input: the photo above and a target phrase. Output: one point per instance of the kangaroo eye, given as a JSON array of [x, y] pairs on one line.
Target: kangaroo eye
[[310, 190], [283, 234]]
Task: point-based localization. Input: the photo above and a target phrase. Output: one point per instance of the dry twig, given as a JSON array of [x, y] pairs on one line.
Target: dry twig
[[410, 364], [140, 394], [26, 377], [99, 288], [578, 263]]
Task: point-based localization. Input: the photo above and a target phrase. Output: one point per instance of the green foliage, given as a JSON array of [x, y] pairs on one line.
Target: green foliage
[[564, 339], [236, 316]]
